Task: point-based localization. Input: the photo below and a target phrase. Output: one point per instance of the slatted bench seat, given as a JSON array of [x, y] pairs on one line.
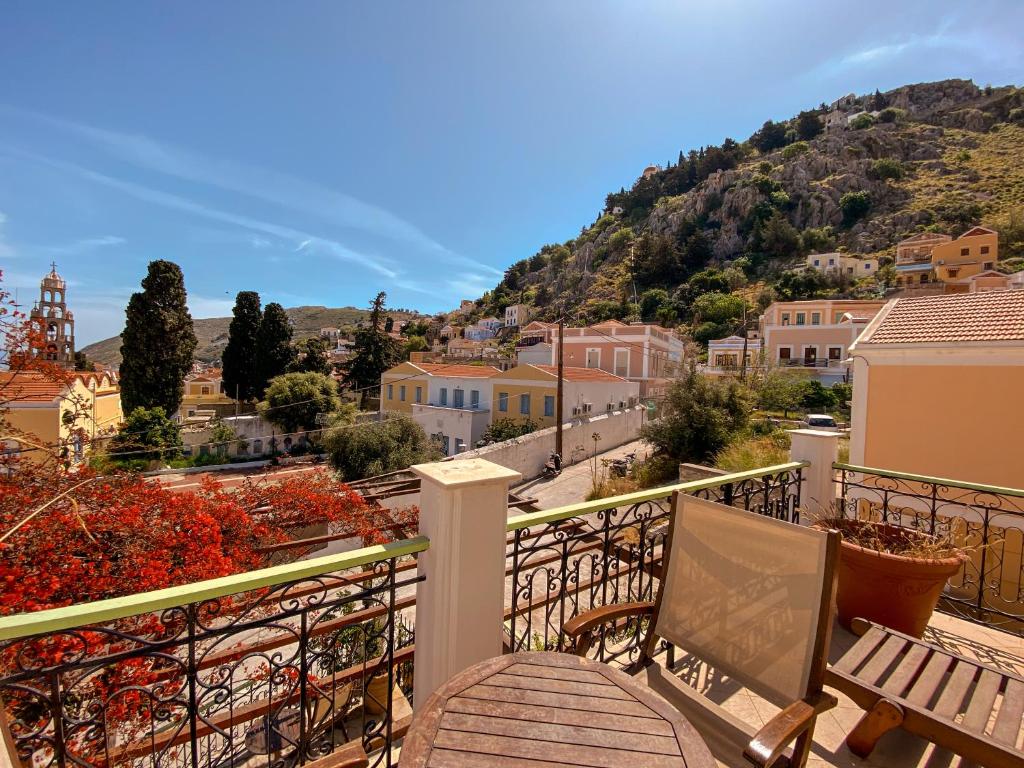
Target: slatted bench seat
[[946, 698]]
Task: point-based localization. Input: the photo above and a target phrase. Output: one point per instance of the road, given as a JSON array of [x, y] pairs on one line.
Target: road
[[573, 485]]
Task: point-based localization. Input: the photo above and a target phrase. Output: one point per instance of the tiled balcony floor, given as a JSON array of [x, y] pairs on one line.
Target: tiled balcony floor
[[896, 749]]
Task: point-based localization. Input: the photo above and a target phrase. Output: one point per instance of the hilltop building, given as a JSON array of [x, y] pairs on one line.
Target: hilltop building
[[936, 263], [51, 317], [843, 264]]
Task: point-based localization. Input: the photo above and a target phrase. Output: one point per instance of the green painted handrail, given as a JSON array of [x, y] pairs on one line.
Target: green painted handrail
[[100, 611], [993, 489], [628, 499]]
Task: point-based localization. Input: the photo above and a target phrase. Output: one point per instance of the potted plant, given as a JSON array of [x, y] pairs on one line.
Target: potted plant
[[891, 575]]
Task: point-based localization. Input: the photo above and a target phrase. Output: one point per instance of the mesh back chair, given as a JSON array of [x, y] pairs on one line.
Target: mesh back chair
[[750, 597]]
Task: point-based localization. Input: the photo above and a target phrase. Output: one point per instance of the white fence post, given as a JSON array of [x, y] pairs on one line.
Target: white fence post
[[821, 449], [460, 606]]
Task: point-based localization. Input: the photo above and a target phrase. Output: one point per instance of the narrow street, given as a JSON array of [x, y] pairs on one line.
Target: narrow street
[[573, 485]]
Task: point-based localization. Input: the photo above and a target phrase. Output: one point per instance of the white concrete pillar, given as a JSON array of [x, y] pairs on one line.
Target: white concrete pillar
[[821, 449], [460, 606]]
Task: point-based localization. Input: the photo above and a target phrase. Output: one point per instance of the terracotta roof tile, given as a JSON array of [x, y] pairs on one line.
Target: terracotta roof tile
[[987, 316], [580, 374], [28, 387], [459, 371]]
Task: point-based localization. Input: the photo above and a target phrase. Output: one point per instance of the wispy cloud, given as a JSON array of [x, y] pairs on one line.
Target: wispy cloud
[[317, 244], [271, 186], [85, 245], [302, 246]]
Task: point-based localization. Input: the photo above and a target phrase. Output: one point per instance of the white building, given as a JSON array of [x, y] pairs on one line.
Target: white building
[[843, 263]]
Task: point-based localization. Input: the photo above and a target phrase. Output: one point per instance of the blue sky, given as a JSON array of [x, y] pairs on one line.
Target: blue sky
[[318, 152]]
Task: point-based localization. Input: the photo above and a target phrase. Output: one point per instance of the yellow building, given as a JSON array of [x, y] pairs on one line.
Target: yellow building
[[528, 393], [440, 384], [205, 392], [938, 383], [41, 416], [976, 250]]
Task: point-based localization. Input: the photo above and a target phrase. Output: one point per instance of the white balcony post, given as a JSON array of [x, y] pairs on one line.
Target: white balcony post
[[821, 449], [460, 606]]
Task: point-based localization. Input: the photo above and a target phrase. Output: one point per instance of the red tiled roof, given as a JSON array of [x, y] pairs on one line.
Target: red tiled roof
[[987, 316], [459, 371], [580, 374], [28, 387]]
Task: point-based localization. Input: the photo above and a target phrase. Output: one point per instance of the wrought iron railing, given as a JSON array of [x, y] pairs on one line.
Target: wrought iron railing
[[986, 521], [272, 667], [564, 561]]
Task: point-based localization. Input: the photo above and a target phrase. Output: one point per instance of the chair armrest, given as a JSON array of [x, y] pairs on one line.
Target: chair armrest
[[350, 755], [777, 734], [580, 628]]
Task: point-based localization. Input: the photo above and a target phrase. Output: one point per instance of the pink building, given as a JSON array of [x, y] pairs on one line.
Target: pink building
[[814, 334], [642, 352]]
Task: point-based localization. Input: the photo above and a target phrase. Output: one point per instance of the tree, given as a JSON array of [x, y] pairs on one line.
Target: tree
[[815, 396], [373, 352], [240, 358], [416, 344], [311, 357], [878, 101], [854, 206], [778, 238], [274, 352], [374, 448], [500, 430], [718, 307], [389, 324], [701, 415], [771, 136], [796, 285], [781, 391], [808, 125], [651, 301], [862, 121], [146, 434], [292, 401], [83, 363], [158, 341]]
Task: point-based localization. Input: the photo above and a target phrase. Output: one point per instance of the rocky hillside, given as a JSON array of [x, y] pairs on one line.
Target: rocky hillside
[[212, 332], [933, 156]]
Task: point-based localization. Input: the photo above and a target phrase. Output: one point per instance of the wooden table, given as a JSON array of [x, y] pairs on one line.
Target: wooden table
[[542, 710]]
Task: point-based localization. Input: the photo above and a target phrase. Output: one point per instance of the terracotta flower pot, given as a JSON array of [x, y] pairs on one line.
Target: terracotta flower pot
[[896, 591]]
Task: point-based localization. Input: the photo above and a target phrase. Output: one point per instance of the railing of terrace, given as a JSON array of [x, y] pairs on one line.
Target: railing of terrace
[[273, 667], [565, 561], [987, 521]]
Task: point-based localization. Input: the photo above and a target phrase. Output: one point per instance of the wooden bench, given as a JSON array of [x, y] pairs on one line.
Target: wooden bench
[[946, 698]]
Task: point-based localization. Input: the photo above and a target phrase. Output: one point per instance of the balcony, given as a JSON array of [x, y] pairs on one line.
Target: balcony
[[288, 664]]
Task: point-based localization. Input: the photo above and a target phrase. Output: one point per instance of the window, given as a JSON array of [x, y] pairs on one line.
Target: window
[[837, 317], [206, 390], [444, 444], [831, 262], [924, 279], [965, 251], [419, 394], [474, 398], [815, 318], [953, 272], [849, 270], [458, 398], [257, 446], [444, 396], [401, 393], [867, 265], [984, 250], [817, 262], [622, 362], [391, 391], [503, 402], [801, 318], [835, 353], [785, 353], [549, 405], [524, 405], [785, 318], [593, 358], [988, 265]]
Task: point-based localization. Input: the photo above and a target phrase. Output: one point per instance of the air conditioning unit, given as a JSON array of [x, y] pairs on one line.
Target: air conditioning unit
[[610, 406], [588, 407], [575, 410]]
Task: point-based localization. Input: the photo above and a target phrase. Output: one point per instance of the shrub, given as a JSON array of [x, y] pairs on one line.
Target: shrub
[[854, 205], [795, 149], [373, 449], [861, 122], [886, 168], [506, 428], [892, 115], [620, 238], [754, 453], [294, 400], [1017, 115], [147, 434]]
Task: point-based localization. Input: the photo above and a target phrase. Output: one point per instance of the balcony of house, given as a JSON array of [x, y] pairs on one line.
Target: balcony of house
[[326, 660]]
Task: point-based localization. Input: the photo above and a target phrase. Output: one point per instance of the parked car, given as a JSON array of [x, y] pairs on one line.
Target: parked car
[[821, 421]]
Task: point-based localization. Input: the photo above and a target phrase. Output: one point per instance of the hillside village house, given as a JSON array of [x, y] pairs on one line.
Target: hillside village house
[[725, 355], [516, 315], [527, 393], [441, 384], [938, 374], [640, 352], [58, 414], [814, 334], [843, 264], [928, 259], [204, 397]]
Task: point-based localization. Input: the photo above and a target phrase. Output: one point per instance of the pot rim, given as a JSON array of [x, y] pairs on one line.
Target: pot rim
[[959, 557]]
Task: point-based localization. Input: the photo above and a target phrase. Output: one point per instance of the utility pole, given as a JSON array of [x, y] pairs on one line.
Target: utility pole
[[558, 389], [236, 403]]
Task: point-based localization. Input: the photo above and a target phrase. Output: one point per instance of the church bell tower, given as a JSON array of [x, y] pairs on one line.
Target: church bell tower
[[50, 314]]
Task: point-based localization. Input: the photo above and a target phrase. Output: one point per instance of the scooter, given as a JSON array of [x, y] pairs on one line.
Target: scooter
[[553, 467], [621, 467]]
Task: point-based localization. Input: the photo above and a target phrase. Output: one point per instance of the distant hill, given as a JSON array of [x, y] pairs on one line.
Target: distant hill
[[939, 156], [212, 332]]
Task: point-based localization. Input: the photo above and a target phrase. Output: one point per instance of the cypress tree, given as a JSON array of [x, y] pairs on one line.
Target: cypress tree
[[241, 376], [274, 351], [158, 341], [373, 352]]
